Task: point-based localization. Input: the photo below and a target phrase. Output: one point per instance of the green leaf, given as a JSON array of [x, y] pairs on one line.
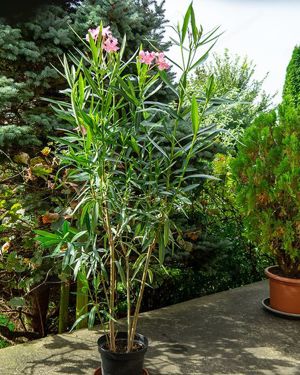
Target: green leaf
[[205, 176], [67, 71], [195, 115], [78, 235], [194, 26], [121, 272], [81, 86], [134, 145], [158, 147], [210, 86], [166, 232], [45, 234], [185, 23], [190, 187], [92, 315], [165, 78], [82, 317], [122, 49], [161, 249], [150, 275]]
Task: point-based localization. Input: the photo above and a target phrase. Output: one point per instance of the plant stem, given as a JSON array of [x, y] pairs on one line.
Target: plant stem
[[141, 293], [128, 303], [63, 306], [112, 276]]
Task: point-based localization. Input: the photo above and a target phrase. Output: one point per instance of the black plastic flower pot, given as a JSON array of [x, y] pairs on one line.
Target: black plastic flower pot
[[122, 363]]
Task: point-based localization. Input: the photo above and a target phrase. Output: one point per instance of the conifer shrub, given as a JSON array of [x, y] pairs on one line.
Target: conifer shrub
[[291, 90], [267, 174]]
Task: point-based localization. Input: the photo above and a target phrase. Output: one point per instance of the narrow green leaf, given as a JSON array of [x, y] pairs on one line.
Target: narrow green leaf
[[150, 275], [165, 78], [210, 85], [78, 235], [92, 315], [195, 115], [121, 272], [158, 147], [185, 23], [45, 234], [81, 86], [190, 187], [166, 232], [80, 319], [194, 26], [122, 49], [205, 176], [161, 249]]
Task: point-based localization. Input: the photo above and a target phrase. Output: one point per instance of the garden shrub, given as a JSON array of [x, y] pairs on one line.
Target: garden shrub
[[8, 325], [241, 95], [291, 89], [267, 173]]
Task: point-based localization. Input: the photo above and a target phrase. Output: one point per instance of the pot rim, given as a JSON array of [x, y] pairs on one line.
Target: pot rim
[[123, 335], [284, 279]]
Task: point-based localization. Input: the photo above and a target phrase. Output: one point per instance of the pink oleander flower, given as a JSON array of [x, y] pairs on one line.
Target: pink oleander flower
[[161, 61], [106, 33], [94, 33], [163, 65], [146, 57], [110, 44]]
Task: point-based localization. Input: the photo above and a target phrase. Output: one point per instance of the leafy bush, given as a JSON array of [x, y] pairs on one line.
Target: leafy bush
[[267, 173], [7, 324], [242, 95]]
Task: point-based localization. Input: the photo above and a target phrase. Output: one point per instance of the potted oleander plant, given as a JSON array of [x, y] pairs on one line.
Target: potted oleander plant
[[130, 171], [267, 174]]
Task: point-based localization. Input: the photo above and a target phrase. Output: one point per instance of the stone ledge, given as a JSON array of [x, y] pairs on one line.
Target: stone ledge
[[226, 333]]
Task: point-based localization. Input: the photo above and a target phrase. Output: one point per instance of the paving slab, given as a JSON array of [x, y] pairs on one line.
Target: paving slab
[[227, 333]]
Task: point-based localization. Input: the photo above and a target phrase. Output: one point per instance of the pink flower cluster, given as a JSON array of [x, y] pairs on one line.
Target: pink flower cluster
[[158, 58], [109, 43]]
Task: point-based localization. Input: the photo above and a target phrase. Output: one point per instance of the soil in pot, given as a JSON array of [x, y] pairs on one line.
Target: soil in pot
[[121, 362], [284, 291]]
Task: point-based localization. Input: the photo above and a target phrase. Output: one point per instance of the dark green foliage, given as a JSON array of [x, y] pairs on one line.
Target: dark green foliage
[[28, 50], [21, 11], [229, 266], [291, 90], [6, 324], [267, 173]]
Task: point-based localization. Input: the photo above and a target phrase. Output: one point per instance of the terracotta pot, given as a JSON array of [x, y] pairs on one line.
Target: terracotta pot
[[284, 292]]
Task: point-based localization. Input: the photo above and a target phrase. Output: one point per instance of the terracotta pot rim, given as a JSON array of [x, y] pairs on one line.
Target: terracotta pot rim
[[283, 279]]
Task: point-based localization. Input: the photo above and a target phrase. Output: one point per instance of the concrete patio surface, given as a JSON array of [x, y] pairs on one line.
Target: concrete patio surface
[[222, 334]]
